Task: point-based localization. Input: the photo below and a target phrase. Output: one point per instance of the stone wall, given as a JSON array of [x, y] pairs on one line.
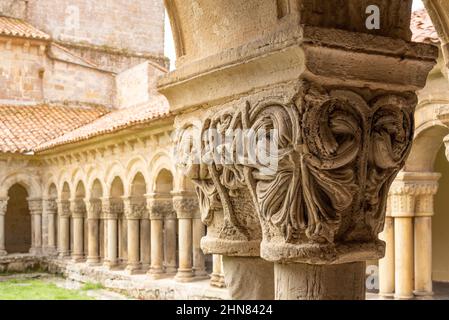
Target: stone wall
[[75, 83], [136, 25], [13, 8], [20, 64]]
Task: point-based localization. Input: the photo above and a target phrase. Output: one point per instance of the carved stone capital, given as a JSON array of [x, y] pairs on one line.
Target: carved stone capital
[[135, 208], [337, 153], [63, 208], [186, 206], [35, 206], [94, 208], [112, 208], [78, 208], [50, 206], [160, 206]]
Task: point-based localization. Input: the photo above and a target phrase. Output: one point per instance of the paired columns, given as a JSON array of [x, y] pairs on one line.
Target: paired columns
[[408, 236], [93, 209], [78, 208], [50, 208], [64, 228], [35, 207], [158, 206]]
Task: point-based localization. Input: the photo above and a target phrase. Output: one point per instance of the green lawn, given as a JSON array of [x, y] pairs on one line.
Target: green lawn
[[38, 290]]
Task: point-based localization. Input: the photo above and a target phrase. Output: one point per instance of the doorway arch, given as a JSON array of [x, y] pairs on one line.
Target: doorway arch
[[17, 221]]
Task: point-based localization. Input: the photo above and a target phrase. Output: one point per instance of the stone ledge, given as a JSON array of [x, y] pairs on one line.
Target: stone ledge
[[136, 286]]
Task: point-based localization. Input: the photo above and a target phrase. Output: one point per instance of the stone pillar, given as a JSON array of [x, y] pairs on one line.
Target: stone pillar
[[3, 207], [217, 276], [35, 207], [341, 131], [157, 207], [185, 205], [170, 227], [386, 264], [78, 208], [145, 241], [199, 261], [112, 207], [64, 228], [423, 234], [135, 208], [93, 209], [51, 210]]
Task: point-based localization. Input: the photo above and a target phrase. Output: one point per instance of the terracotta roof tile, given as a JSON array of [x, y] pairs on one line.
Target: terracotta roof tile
[[22, 128], [112, 122], [422, 27], [19, 28]]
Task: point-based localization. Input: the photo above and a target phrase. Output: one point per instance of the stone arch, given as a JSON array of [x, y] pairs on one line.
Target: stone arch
[[134, 167], [114, 171], [427, 142], [161, 161], [65, 191], [17, 220], [30, 182], [439, 13]]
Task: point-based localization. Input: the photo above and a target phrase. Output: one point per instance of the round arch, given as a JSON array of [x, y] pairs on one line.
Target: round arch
[[30, 182]]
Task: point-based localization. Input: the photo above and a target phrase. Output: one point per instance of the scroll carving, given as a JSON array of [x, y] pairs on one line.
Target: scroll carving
[[337, 154]]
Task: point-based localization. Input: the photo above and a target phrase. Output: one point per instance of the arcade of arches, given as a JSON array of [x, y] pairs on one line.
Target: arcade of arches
[[343, 99]]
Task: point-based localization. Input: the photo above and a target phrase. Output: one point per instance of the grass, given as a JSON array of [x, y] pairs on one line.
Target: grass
[[92, 286], [23, 289]]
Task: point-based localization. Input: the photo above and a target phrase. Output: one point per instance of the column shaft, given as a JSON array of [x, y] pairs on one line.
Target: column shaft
[[78, 239], [64, 236], [217, 276], [51, 232], [386, 264], [133, 246], [199, 262], [423, 255], [300, 281], [3, 205], [112, 235], [185, 271], [93, 242], [170, 246], [145, 243], [403, 232], [157, 248]]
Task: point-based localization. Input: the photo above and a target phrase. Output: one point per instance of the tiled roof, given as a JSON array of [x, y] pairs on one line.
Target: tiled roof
[[22, 128], [112, 122], [18, 28], [422, 27]]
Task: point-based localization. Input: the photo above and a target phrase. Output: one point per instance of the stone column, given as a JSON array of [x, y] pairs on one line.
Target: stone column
[[3, 207], [145, 241], [35, 207], [170, 227], [217, 276], [386, 264], [135, 207], [314, 203], [185, 205], [157, 207], [64, 228], [423, 234], [199, 261], [402, 195], [78, 208], [112, 207], [93, 209], [51, 209]]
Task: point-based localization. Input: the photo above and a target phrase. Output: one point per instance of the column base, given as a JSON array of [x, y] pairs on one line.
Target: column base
[[112, 265], [36, 251], [403, 297], [93, 261], [386, 294], [78, 259], [423, 293], [132, 269], [171, 271], [145, 267], [64, 255], [3, 253], [217, 280], [51, 251], [156, 273], [185, 275]]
